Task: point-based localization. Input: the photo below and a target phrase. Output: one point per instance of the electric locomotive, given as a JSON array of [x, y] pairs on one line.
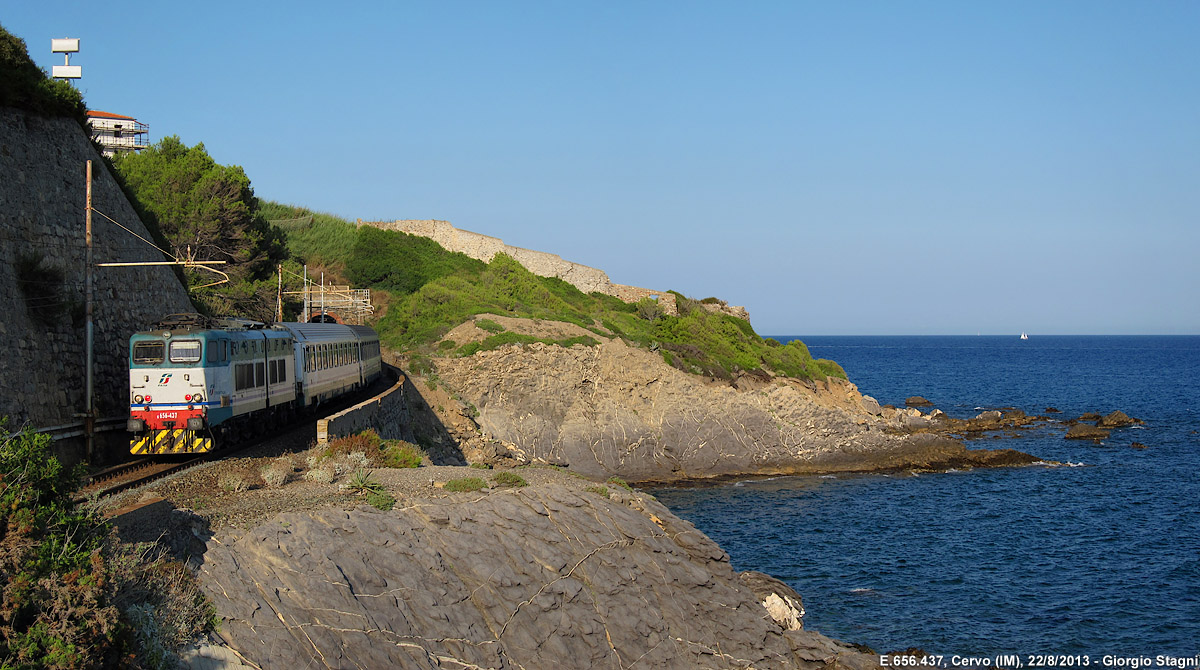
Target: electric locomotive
[[197, 383]]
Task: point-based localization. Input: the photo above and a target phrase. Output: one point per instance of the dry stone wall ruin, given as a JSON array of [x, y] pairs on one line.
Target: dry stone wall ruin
[[541, 263]]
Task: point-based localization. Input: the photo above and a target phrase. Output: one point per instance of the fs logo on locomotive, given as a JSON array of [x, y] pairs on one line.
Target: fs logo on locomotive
[[164, 379]]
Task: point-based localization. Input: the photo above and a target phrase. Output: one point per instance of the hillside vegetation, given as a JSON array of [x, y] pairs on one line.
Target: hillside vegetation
[[430, 290]]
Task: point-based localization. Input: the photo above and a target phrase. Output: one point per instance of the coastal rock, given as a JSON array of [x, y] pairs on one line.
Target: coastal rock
[[871, 406], [912, 418], [917, 401], [613, 409], [1083, 431], [1118, 419], [990, 415], [1089, 416], [781, 601], [542, 577]]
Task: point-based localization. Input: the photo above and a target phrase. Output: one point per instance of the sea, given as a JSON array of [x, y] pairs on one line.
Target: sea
[[1094, 554]]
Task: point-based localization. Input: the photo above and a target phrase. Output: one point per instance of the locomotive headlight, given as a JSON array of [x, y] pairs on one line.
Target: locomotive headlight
[[137, 399], [187, 398], [148, 399], [197, 398]]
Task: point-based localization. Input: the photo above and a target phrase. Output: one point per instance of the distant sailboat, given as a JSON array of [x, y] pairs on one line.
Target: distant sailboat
[[1024, 336]]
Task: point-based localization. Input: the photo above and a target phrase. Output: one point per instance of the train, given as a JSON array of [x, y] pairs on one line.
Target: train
[[198, 383]]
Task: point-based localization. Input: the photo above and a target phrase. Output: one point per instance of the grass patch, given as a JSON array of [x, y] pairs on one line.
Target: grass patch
[[617, 481], [510, 479], [465, 485], [312, 237], [489, 325], [497, 341], [381, 500], [601, 491]]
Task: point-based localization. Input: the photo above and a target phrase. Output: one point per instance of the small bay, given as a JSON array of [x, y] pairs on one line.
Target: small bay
[[1100, 555]]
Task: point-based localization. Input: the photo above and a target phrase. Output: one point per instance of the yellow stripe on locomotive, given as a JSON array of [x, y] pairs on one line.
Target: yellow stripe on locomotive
[[171, 441]]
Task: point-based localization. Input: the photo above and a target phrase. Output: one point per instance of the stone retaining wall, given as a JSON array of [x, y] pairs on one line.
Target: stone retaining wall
[[42, 213], [386, 413]]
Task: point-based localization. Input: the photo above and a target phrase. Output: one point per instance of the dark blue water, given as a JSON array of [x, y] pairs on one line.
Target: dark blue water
[[1100, 558]]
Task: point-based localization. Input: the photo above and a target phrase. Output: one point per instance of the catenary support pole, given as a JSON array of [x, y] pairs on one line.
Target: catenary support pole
[[89, 414]]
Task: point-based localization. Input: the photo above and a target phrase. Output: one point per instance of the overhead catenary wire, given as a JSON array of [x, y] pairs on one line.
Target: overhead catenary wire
[[185, 262]]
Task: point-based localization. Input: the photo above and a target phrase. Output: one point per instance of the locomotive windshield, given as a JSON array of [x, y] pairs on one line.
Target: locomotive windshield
[[185, 351], [149, 353]]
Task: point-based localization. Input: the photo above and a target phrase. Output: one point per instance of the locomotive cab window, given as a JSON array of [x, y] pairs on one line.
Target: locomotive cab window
[[150, 353], [185, 351]]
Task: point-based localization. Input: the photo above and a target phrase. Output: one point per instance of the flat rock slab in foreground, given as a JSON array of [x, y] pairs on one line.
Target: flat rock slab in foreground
[[541, 577]]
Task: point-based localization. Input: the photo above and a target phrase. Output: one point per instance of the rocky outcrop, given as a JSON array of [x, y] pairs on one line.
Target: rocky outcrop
[[543, 577], [1118, 419], [616, 409], [1083, 431]]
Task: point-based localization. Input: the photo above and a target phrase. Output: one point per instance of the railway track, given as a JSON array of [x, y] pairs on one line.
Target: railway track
[[141, 471], [125, 476]]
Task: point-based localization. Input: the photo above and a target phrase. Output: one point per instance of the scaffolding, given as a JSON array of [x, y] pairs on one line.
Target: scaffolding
[[118, 134]]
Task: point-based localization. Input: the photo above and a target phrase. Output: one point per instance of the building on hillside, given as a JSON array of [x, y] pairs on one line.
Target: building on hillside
[[118, 134]]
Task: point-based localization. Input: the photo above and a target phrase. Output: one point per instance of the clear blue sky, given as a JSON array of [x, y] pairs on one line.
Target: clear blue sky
[[836, 167]]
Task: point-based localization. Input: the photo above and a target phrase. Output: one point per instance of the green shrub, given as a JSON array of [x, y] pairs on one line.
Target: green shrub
[[465, 484], [601, 491], [72, 596], [489, 325], [403, 263], [509, 479], [367, 442], [481, 466], [401, 454]]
